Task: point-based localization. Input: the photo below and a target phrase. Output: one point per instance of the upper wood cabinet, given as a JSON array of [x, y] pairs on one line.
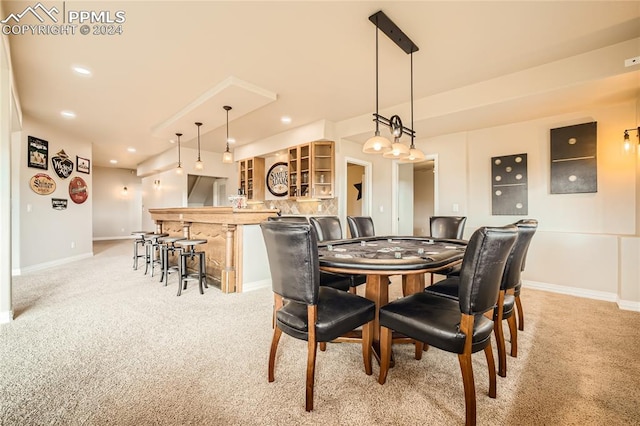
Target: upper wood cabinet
[[311, 170], [251, 178]]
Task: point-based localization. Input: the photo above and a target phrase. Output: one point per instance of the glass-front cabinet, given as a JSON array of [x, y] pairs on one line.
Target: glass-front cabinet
[[311, 170], [251, 178]]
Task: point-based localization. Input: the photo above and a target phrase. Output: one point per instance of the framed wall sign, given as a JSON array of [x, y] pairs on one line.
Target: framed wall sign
[[42, 184], [37, 153], [78, 190], [62, 164], [278, 179], [83, 165], [59, 203]]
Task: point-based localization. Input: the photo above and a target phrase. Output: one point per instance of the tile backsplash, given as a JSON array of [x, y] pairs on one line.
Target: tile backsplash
[[306, 208]]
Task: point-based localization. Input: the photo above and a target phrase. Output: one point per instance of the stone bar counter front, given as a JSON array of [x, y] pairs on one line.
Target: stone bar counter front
[[233, 238]]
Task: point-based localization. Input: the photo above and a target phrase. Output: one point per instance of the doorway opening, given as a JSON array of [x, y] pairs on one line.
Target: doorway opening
[[357, 200], [415, 195]]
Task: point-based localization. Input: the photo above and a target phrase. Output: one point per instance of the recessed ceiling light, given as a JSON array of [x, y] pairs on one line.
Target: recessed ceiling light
[[172, 141], [113, 161], [231, 140], [81, 70], [131, 149], [68, 114], [286, 119]]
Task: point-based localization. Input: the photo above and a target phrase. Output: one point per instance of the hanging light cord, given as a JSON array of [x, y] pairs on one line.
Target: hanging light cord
[[178, 135], [377, 123], [198, 124], [412, 133], [227, 129]]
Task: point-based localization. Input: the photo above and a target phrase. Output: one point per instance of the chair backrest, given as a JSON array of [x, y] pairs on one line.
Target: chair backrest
[[528, 222], [292, 251], [482, 267], [515, 261], [360, 226], [447, 226], [326, 227], [290, 219]]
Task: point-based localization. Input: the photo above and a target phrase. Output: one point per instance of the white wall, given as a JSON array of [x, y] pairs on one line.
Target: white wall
[[116, 214], [585, 242], [44, 236]]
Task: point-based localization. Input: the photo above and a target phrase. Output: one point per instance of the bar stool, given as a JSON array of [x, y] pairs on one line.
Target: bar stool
[[151, 250], [168, 245], [188, 251], [138, 241]]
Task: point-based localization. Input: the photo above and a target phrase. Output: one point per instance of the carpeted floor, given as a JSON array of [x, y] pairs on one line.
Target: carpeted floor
[[97, 343]]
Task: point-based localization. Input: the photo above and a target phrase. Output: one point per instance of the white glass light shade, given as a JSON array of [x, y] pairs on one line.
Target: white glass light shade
[[399, 151], [179, 170], [415, 156], [227, 157], [377, 145], [199, 165]]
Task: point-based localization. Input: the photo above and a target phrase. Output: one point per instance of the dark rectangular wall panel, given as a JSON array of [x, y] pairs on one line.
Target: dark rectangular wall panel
[[509, 185], [574, 165]]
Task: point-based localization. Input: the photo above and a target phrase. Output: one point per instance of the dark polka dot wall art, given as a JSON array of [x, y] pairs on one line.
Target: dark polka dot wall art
[[509, 185], [574, 162]]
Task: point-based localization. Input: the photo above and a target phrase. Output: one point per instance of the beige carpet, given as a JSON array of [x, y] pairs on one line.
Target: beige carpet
[[96, 343]]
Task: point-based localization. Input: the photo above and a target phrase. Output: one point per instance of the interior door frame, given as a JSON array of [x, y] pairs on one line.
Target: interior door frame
[[395, 175], [366, 186]]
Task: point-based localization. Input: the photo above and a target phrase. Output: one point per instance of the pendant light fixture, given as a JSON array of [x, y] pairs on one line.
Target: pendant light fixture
[[199, 163], [227, 156], [415, 155], [179, 168], [378, 144]]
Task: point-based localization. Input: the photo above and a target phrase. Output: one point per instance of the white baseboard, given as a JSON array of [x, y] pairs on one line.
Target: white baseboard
[[572, 291], [256, 285], [629, 305], [121, 237], [6, 317], [47, 265]]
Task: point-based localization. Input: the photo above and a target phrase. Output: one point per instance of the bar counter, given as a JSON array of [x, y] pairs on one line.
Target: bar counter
[[230, 234]]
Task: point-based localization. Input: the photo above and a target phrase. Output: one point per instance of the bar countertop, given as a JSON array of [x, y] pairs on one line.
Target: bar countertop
[[221, 215]]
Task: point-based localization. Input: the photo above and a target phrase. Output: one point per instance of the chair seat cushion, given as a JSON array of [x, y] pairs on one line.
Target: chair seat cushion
[[447, 287], [435, 320], [338, 313]]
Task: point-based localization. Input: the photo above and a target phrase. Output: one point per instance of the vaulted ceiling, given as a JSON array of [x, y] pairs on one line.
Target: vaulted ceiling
[[480, 64]]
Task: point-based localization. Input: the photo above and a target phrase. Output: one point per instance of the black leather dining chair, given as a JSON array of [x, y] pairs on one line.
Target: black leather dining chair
[[327, 228], [312, 313], [455, 325], [329, 279], [518, 287], [504, 309], [450, 227], [361, 226]]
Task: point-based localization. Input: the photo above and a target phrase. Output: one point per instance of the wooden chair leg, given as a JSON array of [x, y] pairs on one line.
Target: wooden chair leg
[[513, 330], [367, 341], [469, 388], [488, 352], [502, 351], [323, 346], [418, 352], [272, 353], [385, 353], [520, 313], [312, 347], [352, 290]]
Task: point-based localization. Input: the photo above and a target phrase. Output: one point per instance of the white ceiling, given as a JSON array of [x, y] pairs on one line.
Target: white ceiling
[[317, 59]]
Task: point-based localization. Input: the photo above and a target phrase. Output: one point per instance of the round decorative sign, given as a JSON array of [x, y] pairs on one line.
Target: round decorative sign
[[42, 184], [78, 190], [278, 179]]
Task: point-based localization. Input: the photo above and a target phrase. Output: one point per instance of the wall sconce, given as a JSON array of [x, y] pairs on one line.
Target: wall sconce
[[199, 163], [627, 146], [227, 156], [125, 191], [378, 144], [179, 168], [156, 184]]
